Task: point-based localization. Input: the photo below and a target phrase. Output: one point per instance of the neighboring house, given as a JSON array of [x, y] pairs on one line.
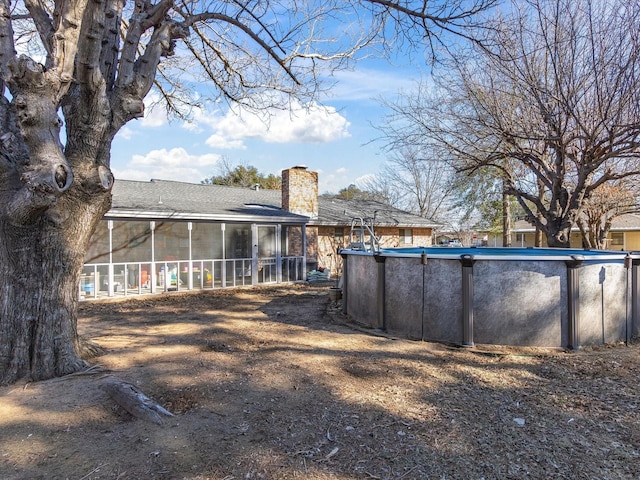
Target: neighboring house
[[624, 234], [163, 235]]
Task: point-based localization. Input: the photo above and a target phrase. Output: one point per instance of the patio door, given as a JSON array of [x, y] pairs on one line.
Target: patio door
[[267, 254]]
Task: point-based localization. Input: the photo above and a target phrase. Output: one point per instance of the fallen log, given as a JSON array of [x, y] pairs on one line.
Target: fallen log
[[134, 401]]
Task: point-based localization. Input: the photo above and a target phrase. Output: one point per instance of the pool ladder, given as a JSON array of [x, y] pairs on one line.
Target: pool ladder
[[362, 235]]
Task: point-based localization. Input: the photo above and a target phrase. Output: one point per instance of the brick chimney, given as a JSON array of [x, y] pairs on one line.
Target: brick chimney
[[300, 191]]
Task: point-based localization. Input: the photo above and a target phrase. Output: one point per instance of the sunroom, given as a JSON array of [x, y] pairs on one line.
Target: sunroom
[[164, 236]]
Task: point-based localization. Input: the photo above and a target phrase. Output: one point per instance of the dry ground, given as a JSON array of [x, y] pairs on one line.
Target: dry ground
[[275, 384]]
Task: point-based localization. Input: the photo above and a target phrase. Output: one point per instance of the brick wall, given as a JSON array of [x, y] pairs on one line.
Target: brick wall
[[300, 191], [389, 237], [328, 244]]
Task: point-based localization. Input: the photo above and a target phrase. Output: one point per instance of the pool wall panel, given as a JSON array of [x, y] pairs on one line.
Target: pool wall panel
[[362, 280], [605, 314], [520, 303], [404, 280], [443, 301]]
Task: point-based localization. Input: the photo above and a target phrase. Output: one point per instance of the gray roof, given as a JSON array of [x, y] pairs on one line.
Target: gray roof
[[337, 211], [187, 201]]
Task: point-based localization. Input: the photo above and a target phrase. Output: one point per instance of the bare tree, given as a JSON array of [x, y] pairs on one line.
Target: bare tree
[[93, 64], [603, 206], [552, 101], [416, 182]]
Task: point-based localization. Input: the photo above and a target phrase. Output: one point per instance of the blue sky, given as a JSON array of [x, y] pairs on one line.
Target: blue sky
[[334, 139]]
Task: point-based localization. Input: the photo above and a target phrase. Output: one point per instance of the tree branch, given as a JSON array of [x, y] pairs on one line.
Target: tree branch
[[193, 19], [7, 48], [44, 25], [65, 45]]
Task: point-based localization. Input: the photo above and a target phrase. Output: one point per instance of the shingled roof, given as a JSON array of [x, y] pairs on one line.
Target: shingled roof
[[337, 211], [187, 201]]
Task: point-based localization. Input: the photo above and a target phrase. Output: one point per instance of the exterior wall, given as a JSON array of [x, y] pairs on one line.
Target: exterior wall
[[529, 240], [294, 241], [300, 191], [632, 241], [313, 260], [389, 237], [328, 244]]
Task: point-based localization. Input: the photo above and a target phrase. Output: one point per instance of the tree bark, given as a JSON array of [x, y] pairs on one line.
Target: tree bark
[[40, 266], [134, 401], [559, 237], [506, 217]]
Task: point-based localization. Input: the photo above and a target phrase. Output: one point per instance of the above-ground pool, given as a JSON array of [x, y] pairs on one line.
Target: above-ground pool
[[539, 297]]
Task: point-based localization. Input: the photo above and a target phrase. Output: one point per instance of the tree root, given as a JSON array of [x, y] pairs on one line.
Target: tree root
[[89, 349], [134, 401]]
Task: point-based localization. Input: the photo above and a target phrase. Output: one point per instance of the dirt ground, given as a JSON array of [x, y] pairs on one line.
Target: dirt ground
[[275, 384]]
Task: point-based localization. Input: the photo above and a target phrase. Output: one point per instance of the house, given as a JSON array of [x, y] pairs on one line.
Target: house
[[165, 235], [624, 234]]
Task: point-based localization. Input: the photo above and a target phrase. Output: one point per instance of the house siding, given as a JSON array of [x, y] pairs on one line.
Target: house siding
[[390, 237], [328, 245], [529, 240], [632, 241]]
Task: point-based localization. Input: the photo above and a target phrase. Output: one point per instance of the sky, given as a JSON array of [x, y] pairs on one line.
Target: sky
[[337, 138]]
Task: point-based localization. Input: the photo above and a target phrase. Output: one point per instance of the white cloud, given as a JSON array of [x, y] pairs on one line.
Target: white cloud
[[175, 157], [311, 124], [220, 142], [200, 118], [363, 180], [155, 114], [175, 164], [126, 133], [333, 181]]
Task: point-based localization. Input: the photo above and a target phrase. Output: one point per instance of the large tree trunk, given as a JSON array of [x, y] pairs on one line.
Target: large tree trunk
[[40, 266], [539, 232], [506, 217], [53, 195], [50, 203], [559, 237]]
